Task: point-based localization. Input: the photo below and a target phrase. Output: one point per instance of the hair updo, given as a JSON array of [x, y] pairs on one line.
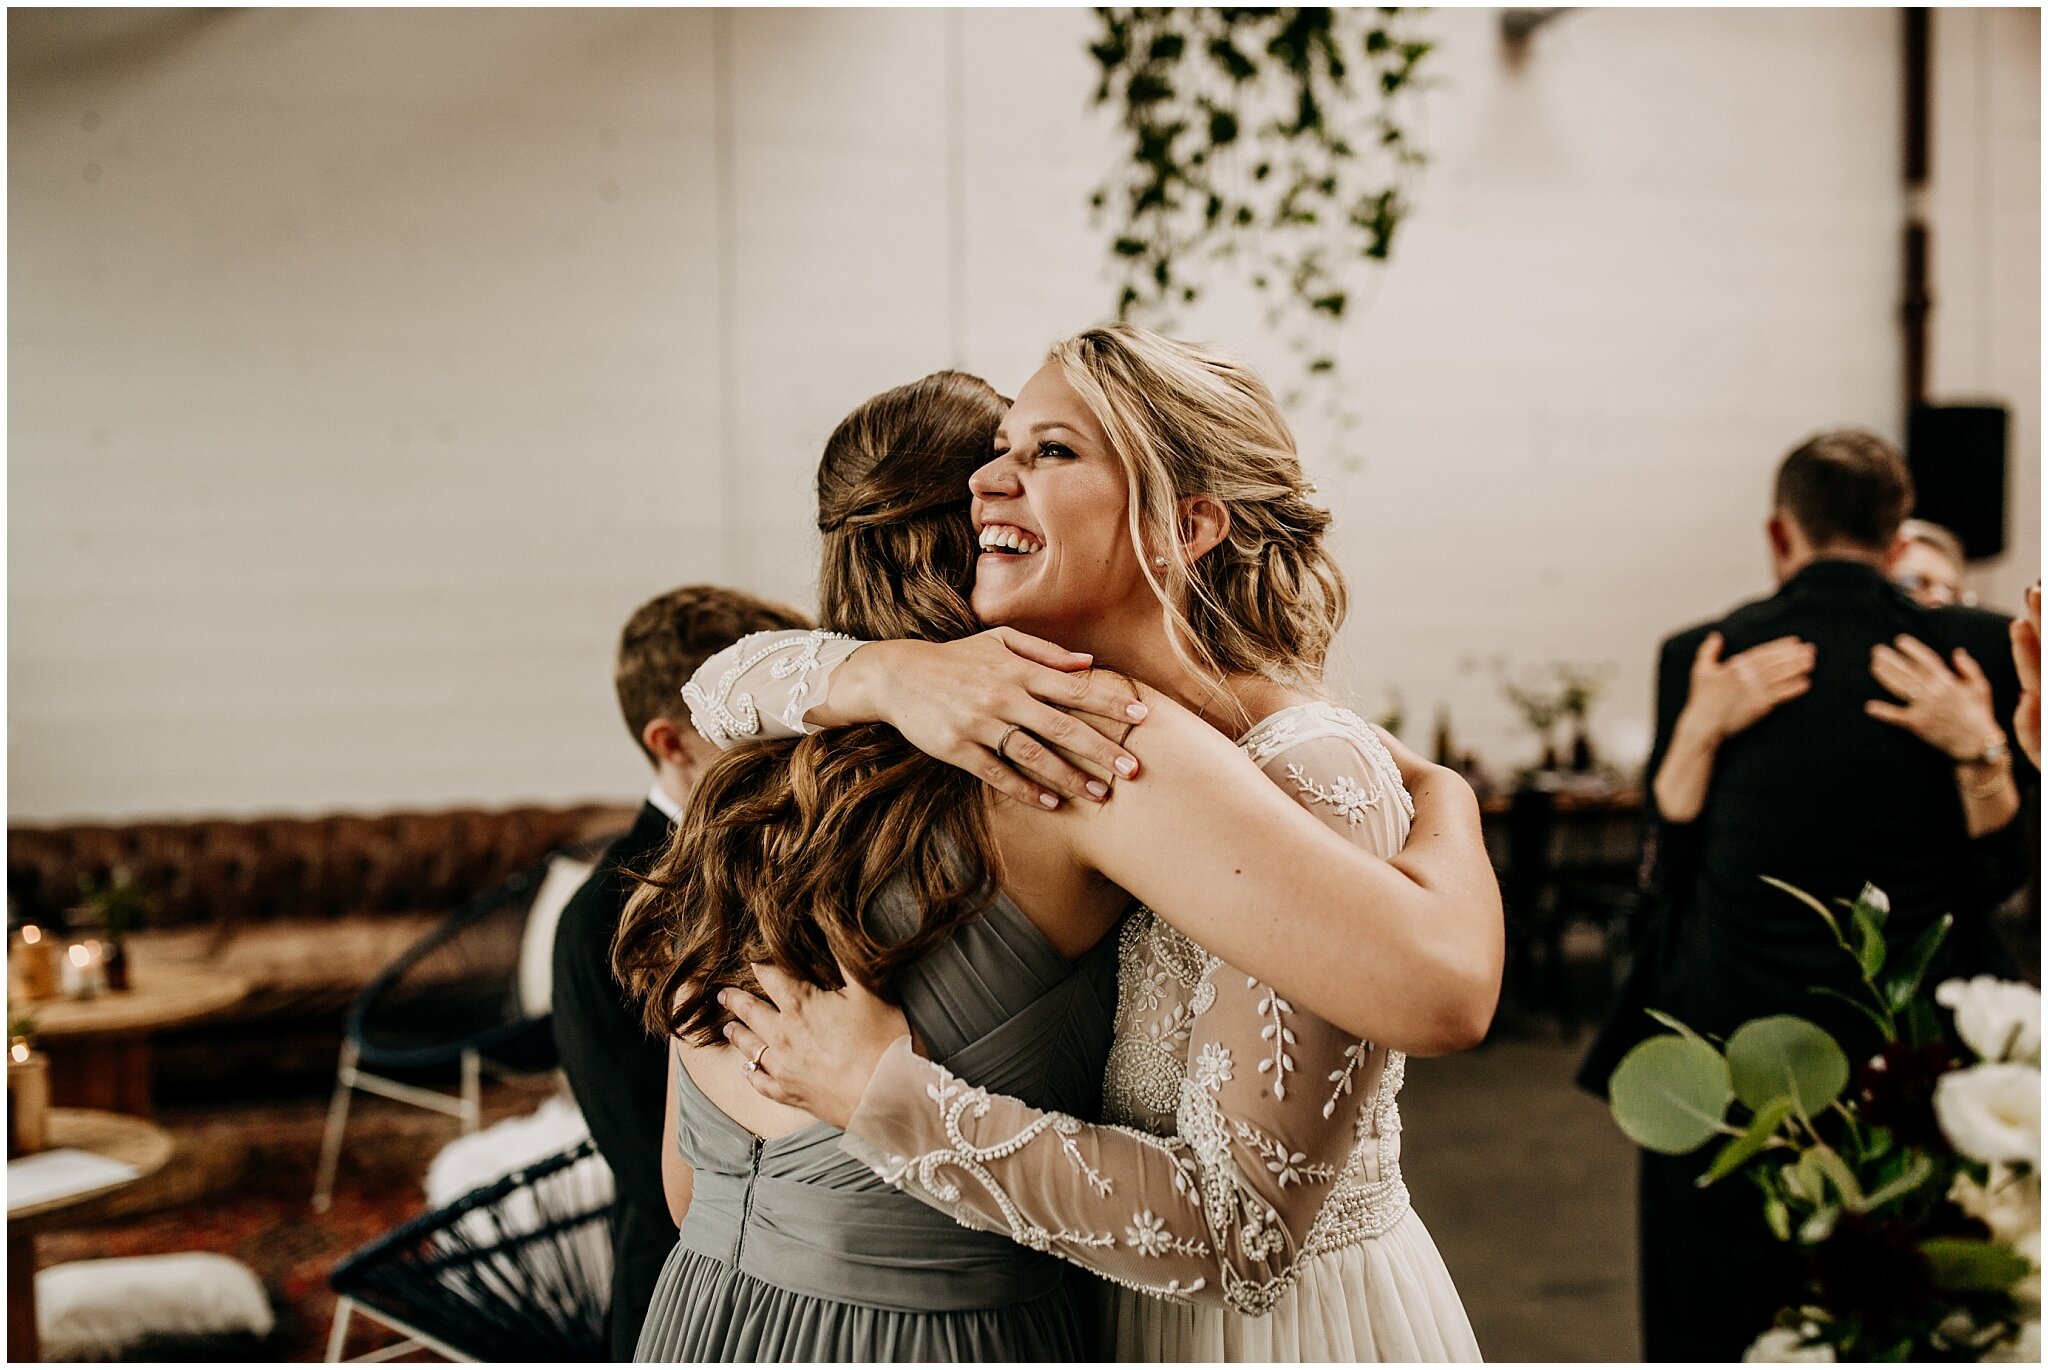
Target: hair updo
[[1186, 420]]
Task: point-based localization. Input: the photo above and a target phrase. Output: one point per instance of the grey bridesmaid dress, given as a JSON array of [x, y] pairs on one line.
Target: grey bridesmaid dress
[[792, 1250]]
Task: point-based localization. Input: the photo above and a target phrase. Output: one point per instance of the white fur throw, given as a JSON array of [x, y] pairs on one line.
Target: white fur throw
[[469, 1163], [95, 1310]]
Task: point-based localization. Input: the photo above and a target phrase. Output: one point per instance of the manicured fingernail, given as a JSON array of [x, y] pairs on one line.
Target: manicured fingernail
[[1126, 767], [1136, 712], [721, 996], [1098, 789], [1051, 801]]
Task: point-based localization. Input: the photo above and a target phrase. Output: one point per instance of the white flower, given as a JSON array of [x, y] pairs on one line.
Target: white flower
[[2009, 1204], [1783, 1344], [2000, 1019], [1148, 1234], [1992, 1112]]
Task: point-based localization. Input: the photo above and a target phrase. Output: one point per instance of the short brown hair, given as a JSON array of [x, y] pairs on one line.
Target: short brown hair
[[671, 635], [1846, 485]]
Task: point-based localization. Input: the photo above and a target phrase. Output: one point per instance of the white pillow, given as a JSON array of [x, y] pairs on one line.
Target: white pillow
[[95, 1310], [537, 947]]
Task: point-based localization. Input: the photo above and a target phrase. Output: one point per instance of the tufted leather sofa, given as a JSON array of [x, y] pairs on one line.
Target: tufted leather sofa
[[307, 910]]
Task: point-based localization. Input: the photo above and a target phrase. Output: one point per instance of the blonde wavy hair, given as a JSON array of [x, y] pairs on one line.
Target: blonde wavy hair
[[1186, 420]]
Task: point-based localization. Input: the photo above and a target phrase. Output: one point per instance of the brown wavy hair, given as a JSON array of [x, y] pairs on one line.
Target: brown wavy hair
[[786, 844]]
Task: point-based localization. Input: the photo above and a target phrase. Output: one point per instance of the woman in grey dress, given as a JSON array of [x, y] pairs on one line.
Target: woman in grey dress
[[854, 854], [791, 1249]]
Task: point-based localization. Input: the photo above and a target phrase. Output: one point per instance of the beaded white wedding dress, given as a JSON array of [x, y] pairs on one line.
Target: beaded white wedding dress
[[1243, 1192]]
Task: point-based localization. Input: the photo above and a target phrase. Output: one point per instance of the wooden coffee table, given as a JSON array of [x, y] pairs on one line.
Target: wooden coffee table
[[99, 1048], [136, 1141]]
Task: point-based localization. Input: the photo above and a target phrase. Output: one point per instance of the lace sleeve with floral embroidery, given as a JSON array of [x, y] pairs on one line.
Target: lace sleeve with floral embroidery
[[1286, 1133], [763, 685]]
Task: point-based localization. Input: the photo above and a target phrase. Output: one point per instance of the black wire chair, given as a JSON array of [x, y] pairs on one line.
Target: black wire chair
[[451, 1000], [519, 1270]]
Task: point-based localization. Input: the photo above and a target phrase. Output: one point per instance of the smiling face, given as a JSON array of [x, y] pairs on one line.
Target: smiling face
[[1050, 510]]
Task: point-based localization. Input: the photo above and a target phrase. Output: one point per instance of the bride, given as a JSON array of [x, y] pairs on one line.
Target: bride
[[1146, 506]]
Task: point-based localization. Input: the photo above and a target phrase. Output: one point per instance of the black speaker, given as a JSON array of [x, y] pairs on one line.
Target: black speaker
[[1957, 454]]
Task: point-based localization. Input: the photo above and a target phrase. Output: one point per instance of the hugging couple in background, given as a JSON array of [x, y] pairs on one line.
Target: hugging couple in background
[[1135, 927]]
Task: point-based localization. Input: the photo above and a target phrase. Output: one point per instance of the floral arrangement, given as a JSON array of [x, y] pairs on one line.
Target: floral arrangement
[[1911, 1183]]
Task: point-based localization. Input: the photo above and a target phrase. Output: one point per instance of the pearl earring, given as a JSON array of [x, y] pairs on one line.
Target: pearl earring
[[1159, 561]]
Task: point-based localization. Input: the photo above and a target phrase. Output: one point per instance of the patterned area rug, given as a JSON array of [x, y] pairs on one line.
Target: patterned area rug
[[254, 1164]]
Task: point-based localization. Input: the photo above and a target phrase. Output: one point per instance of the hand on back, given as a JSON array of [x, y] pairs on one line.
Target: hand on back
[[1949, 709], [1022, 714], [1729, 696]]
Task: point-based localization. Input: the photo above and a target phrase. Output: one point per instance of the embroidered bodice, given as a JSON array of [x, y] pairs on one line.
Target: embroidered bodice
[[1241, 1136]]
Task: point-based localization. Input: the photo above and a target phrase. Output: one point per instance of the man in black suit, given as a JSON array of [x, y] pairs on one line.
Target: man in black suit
[[616, 1069], [1833, 734]]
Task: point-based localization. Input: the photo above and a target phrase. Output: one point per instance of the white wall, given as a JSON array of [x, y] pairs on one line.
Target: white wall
[[367, 367]]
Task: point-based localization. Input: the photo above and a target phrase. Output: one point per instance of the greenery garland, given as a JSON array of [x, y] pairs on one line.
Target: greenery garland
[[1262, 134]]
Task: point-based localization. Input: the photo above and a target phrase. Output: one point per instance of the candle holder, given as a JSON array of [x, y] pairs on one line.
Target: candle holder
[[35, 952], [28, 1099]]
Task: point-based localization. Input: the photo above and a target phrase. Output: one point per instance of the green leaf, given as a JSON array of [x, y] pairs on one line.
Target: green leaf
[[1869, 940], [1130, 247], [1840, 1177], [1910, 966], [1917, 1173], [1803, 897], [1958, 1263], [1670, 1094], [1783, 1056], [1222, 127], [1680, 1028], [1761, 1131], [1777, 1217]]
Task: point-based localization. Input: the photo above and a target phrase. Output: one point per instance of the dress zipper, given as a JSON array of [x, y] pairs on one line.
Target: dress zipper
[[747, 1200]]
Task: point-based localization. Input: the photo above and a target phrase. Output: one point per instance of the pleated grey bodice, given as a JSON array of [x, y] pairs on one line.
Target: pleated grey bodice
[[999, 1007]]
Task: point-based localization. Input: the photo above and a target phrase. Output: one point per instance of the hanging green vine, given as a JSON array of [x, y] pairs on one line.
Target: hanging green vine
[[1266, 138]]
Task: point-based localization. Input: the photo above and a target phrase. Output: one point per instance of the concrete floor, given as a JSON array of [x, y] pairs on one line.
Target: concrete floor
[[1529, 1190]]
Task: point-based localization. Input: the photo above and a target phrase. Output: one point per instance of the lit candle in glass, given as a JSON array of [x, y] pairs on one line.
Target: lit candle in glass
[[84, 976]]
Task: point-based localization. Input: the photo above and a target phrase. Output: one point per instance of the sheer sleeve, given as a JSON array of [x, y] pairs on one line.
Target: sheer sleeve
[[1285, 1142], [764, 684]]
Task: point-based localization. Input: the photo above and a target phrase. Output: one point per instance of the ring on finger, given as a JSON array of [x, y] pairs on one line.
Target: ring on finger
[[754, 1061], [1004, 740]]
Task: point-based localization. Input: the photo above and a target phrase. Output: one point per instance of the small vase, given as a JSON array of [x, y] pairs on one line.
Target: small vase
[[117, 964]]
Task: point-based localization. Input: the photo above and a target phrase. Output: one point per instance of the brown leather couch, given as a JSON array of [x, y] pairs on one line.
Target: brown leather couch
[[307, 910]]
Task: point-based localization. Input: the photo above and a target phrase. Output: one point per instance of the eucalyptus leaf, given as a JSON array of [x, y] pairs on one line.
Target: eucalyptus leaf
[[1964, 1265], [1786, 1057], [1762, 1130], [1670, 1094]]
